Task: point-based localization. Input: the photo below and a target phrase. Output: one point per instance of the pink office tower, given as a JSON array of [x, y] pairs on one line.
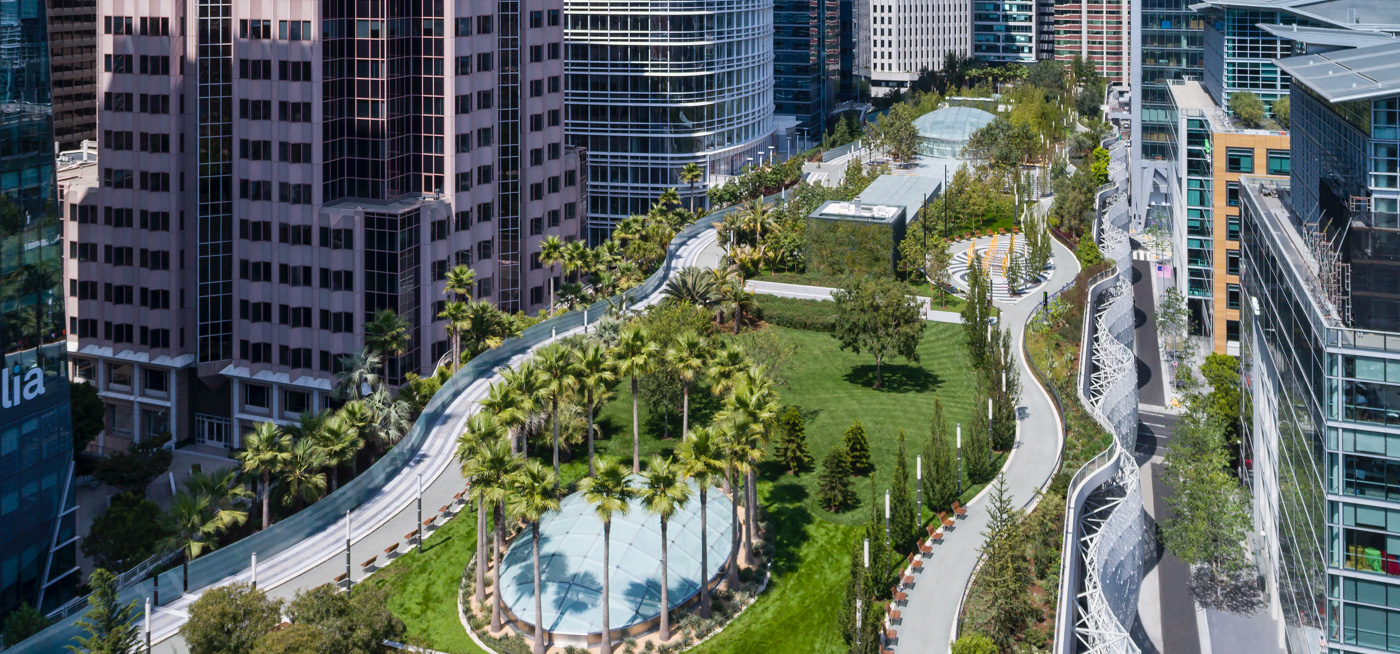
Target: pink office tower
[[270, 174]]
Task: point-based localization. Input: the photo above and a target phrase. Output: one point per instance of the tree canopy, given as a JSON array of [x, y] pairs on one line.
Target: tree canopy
[[875, 316]]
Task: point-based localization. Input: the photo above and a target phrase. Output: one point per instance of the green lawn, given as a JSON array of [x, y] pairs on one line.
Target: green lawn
[[832, 388], [423, 588]]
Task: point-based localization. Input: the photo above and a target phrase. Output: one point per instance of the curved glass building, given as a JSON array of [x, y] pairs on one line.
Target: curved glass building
[[653, 86]]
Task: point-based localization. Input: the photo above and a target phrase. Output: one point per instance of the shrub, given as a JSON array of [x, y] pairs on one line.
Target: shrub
[[974, 643], [809, 315]]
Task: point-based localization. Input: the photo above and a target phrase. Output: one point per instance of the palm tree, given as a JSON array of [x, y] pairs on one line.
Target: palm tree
[[308, 423], [594, 375], [339, 441], [461, 281], [695, 285], [688, 355], [482, 428], [726, 364], [193, 522], [578, 258], [223, 489], [691, 174], [387, 336], [635, 355], [357, 373], [556, 365], [663, 491], [526, 380], [458, 319], [391, 418], [264, 452], [753, 410], [535, 494], [734, 457], [609, 491], [736, 300], [486, 327], [700, 461], [495, 466], [551, 254], [301, 473], [507, 405]]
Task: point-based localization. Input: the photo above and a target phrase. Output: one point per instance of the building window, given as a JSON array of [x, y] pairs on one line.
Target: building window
[[295, 401], [1278, 162], [155, 381], [1384, 164], [1232, 194], [1239, 160], [255, 396], [1232, 262], [1232, 296], [1232, 228]]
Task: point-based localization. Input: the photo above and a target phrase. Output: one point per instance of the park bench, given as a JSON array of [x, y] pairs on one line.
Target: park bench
[[390, 549], [906, 581], [935, 536], [370, 563], [411, 536], [891, 636], [925, 549], [914, 563], [340, 578], [944, 519], [458, 497], [959, 509], [894, 614], [443, 510], [429, 521], [899, 595]]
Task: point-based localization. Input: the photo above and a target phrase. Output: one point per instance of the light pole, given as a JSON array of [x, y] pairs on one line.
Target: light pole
[[960, 459], [770, 155], [919, 482], [347, 550], [989, 422], [887, 517], [420, 513], [148, 625], [255, 570]]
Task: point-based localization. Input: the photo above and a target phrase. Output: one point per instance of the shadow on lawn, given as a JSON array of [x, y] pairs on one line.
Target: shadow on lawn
[[898, 378], [789, 518]]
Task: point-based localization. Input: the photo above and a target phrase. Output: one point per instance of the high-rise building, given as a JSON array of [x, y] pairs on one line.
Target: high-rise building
[[806, 61], [1006, 31], [1095, 31], [653, 86], [273, 174], [1320, 319], [73, 61], [37, 540], [1166, 41], [908, 37]]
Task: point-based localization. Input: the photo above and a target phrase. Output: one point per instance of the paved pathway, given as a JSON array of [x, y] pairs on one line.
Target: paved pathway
[[802, 292], [930, 616], [385, 519]]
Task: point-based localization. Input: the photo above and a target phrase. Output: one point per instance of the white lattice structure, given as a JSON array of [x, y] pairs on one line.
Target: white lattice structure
[[1104, 525]]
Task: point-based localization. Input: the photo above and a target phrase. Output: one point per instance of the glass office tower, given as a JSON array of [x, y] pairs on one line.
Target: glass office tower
[[36, 446]]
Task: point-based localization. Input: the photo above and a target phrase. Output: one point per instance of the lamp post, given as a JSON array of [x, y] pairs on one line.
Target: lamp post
[[420, 513], [960, 459], [887, 517], [148, 625], [347, 550], [255, 570], [919, 483]]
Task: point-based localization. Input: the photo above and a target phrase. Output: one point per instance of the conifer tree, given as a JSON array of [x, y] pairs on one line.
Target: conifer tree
[[941, 475], [1001, 365], [1005, 568], [111, 628], [834, 486], [903, 514], [977, 313], [977, 446], [792, 441], [858, 449]]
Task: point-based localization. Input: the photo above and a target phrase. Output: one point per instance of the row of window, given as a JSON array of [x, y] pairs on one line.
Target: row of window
[[261, 230], [157, 338], [292, 357], [1241, 160], [127, 26], [287, 71], [155, 221], [124, 179], [287, 30], [287, 112], [125, 63], [150, 103], [122, 256]]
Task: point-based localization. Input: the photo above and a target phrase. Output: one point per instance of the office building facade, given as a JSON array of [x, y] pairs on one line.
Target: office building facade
[[1166, 45], [73, 62], [272, 174], [908, 37], [806, 61], [1320, 326], [1096, 32], [653, 87], [1008, 31], [37, 540]]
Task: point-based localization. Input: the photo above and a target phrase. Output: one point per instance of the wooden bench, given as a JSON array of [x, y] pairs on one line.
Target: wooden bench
[[914, 563], [340, 578], [429, 521], [891, 636], [411, 536], [959, 509], [893, 613], [458, 497], [935, 537], [925, 549], [899, 595], [370, 562], [390, 549], [944, 519], [906, 581]]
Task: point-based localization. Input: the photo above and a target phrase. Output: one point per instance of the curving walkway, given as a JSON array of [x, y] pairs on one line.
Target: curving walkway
[[930, 616], [392, 513]]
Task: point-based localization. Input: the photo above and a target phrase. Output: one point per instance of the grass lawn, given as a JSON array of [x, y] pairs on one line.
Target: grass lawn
[[832, 388], [423, 588]]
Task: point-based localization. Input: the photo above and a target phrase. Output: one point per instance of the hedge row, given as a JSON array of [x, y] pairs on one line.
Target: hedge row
[[811, 315]]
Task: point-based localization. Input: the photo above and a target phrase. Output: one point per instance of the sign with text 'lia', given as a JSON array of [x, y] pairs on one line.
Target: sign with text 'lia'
[[18, 384]]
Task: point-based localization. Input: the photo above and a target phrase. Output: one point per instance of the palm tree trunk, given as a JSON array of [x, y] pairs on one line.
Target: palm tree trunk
[[480, 592], [665, 595], [556, 443], [266, 490], [704, 556], [734, 539], [750, 514], [685, 410], [692, 214], [738, 315], [539, 605], [606, 644], [185, 572], [636, 436], [496, 569], [335, 476], [590, 433]]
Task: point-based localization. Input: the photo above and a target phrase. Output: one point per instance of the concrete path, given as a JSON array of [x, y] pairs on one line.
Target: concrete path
[[802, 292], [930, 616], [385, 519]]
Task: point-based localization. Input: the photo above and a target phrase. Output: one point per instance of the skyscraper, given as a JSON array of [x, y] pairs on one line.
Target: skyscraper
[[806, 60], [36, 446], [1166, 45], [1097, 32], [73, 60], [274, 174], [1006, 31], [908, 37], [653, 86]]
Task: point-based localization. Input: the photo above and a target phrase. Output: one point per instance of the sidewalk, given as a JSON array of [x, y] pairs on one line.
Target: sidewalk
[[930, 616]]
